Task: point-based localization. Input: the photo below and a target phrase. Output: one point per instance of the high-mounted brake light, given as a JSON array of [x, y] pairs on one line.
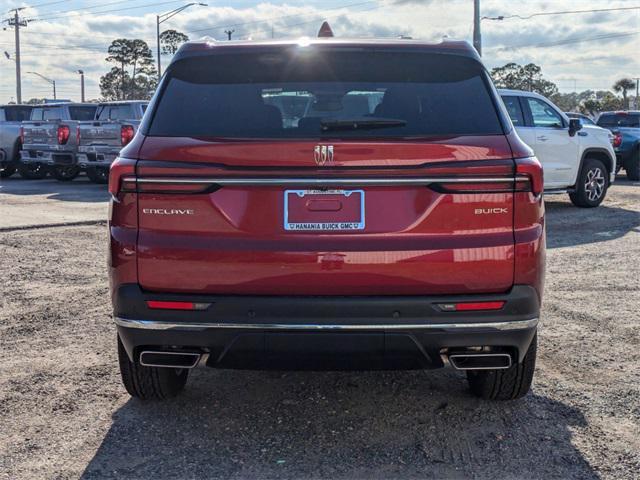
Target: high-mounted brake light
[[617, 139], [63, 134], [471, 306], [122, 176], [126, 134]]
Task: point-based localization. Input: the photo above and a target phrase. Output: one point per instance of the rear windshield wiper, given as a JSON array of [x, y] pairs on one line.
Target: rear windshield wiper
[[365, 123]]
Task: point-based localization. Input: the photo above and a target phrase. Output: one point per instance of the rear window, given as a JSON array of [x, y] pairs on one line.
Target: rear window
[[297, 93], [619, 120], [115, 112], [17, 114], [82, 113]]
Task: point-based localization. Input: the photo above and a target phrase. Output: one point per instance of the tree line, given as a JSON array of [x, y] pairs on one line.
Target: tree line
[[529, 77]]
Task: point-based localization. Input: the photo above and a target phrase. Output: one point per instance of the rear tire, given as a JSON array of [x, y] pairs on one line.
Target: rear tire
[[150, 383], [7, 171], [632, 166], [65, 173], [592, 184], [508, 384], [33, 171], [98, 174]]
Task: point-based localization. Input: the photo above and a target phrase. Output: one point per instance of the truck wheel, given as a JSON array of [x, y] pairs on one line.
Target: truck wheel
[[7, 171], [150, 383], [33, 171], [98, 174], [632, 166], [592, 184], [507, 384], [65, 173]]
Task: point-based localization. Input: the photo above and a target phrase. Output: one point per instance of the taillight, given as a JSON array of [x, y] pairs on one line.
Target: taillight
[[126, 134], [529, 177], [122, 176], [63, 134], [617, 139], [21, 135], [78, 135]]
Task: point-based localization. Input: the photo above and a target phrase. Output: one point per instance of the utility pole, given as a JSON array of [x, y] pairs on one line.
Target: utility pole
[[477, 36], [637, 79], [229, 33], [81, 72], [16, 23]]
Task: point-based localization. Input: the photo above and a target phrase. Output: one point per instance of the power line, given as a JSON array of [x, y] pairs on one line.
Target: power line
[[565, 12], [38, 5], [242, 24], [98, 14], [568, 41], [49, 14]]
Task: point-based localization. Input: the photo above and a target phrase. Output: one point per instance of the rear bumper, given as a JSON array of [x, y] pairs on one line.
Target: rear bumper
[[261, 332], [96, 159], [61, 158]]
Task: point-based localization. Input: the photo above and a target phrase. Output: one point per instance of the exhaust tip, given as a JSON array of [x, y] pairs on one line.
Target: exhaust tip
[[169, 359], [480, 361]]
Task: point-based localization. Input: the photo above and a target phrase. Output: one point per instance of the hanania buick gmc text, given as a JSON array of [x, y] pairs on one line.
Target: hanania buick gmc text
[[326, 204]]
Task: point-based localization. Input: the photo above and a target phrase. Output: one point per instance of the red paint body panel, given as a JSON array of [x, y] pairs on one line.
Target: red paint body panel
[[416, 241]]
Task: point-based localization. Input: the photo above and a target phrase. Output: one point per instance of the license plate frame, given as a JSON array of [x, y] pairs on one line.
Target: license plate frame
[[345, 226]]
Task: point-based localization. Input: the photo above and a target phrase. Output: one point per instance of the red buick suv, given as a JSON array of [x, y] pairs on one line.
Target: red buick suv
[[326, 204]]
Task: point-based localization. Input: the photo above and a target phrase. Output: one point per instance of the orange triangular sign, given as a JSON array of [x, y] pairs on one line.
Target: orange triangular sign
[[325, 30]]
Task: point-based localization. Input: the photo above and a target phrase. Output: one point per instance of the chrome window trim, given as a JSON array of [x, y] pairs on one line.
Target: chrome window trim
[[309, 181], [198, 326]]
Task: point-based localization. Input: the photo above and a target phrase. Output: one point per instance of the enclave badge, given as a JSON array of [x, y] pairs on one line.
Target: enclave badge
[[323, 154]]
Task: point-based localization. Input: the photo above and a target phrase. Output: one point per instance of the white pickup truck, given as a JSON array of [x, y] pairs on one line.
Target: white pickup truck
[[577, 159]]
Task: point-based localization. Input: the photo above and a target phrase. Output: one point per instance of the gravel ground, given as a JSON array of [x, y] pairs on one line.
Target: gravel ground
[[64, 413]]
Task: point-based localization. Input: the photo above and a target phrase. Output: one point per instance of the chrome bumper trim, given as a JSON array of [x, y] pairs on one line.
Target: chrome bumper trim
[[309, 181], [158, 325]]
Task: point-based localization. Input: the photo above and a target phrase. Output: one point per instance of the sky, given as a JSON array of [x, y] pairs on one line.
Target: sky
[[576, 51]]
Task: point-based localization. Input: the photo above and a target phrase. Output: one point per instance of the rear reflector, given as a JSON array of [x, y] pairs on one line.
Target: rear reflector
[[163, 305], [471, 306]]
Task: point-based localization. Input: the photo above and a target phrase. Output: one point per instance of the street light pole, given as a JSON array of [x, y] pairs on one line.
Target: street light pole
[[163, 18], [52, 82], [81, 72], [158, 44], [477, 36]]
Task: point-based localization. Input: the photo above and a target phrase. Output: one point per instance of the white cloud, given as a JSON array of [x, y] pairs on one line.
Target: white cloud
[[57, 48]]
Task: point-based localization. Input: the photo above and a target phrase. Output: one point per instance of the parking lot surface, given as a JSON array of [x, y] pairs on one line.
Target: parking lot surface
[[64, 413]]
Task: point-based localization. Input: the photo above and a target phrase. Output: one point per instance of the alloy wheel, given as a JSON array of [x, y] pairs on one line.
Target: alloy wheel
[[594, 184]]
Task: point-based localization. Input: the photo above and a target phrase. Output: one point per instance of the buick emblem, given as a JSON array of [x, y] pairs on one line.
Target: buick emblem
[[323, 154]]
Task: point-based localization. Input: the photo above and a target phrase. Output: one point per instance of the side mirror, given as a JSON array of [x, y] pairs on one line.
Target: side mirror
[[574, 126]]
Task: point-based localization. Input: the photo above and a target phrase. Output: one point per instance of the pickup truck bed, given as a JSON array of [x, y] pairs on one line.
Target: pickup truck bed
[[100, 141]]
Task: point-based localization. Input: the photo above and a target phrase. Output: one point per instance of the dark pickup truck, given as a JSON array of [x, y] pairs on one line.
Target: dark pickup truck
[[625, 127], [49, 138], [100, 141]]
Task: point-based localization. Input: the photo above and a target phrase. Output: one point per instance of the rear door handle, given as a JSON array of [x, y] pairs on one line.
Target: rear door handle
[[542, 138]]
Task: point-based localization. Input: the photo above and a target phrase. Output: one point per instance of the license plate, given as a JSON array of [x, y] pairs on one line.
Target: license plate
[[324, 210]]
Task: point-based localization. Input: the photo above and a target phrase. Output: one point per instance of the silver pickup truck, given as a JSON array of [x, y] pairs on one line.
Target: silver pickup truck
[[11, 117], [100, 141], [50, 137]]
